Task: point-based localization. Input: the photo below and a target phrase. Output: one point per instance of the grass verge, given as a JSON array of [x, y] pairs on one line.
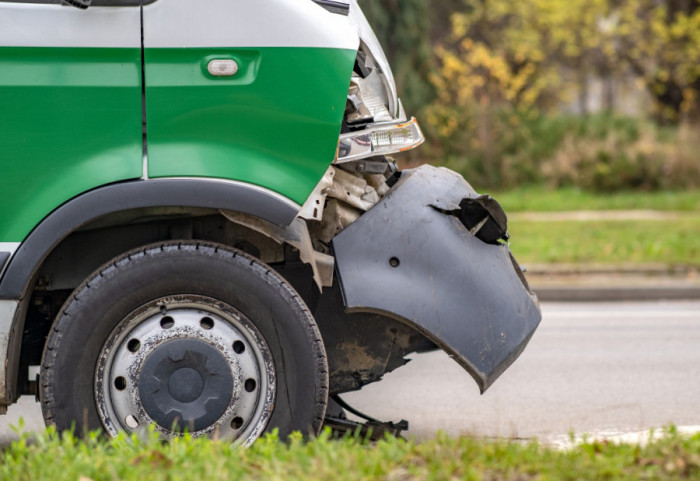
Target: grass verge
[[674, 242], [540, 199], [54, 458]]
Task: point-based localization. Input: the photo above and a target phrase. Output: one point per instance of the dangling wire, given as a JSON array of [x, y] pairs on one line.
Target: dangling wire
[[352, 410]]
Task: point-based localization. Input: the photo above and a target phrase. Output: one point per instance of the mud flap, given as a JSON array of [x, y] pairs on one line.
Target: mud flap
[[409, 259]]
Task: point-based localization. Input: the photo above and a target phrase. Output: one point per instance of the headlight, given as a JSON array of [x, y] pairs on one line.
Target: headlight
[[373, 49], [381, 140]]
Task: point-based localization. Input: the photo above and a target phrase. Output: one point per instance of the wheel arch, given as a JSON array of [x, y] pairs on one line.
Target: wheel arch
[[17, 283]]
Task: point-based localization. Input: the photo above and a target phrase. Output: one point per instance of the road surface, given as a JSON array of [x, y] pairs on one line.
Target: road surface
[[590, 368]]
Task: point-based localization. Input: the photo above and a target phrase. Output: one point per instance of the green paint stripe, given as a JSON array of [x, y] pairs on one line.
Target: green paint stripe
[[274, 124], [70, 121]]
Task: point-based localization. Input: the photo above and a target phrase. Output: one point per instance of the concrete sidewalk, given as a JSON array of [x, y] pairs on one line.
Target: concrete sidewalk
[[613, 283]]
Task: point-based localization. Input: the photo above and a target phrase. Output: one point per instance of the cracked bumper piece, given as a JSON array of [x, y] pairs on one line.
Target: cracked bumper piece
[[407, 259]]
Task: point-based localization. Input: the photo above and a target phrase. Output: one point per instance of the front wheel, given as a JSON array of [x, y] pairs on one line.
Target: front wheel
[[185, 337]]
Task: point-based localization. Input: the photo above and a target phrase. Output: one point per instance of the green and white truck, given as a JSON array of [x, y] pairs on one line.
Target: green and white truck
[[201, 229]]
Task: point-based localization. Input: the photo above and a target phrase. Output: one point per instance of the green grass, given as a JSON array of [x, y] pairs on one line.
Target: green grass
[[544, 200], [675, 242], [67, 459], [672, 242]]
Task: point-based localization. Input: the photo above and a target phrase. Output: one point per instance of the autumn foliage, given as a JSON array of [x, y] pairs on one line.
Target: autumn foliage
[[604, 94]]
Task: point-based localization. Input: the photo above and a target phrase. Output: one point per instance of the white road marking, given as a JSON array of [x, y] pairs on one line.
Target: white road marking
[[619, 437]]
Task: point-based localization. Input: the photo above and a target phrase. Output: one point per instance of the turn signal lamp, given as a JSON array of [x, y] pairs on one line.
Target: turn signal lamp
[[382, 140]]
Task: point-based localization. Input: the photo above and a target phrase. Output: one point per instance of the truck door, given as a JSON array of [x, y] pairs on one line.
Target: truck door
[[246, 90], [70, 105]]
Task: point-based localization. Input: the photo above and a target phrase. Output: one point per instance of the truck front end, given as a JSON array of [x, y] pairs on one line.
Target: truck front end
[[419, 246], [226, 245]]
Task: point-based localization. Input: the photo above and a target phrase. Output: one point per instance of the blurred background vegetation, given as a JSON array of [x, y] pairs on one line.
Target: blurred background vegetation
[[596, 95]]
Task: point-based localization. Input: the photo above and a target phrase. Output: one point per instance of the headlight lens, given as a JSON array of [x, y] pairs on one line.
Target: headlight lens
[[381, 140], [371, 46]]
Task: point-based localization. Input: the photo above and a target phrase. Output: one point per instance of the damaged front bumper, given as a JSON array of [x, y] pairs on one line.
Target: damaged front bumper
[[410, 259]]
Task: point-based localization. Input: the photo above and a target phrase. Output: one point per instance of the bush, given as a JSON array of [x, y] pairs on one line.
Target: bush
[[639, 159], [598, 152], [505, 71]]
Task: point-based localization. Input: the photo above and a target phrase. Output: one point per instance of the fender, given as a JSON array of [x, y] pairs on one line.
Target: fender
[[168, 192], [90, 206], [408, 259]]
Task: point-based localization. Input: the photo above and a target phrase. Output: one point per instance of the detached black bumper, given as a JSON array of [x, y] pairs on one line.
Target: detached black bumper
[[408, 259]]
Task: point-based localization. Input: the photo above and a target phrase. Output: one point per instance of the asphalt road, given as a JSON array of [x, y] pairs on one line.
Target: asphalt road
[[590, 368], [596, 368]]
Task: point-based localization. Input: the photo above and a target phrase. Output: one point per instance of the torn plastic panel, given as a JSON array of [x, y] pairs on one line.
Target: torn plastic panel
[[484, 217], [407, 259]]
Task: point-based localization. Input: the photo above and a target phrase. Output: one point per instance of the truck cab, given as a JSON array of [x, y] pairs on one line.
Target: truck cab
[[203, 229]]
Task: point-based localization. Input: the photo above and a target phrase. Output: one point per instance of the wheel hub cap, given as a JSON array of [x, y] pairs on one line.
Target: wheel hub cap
[[186, 363], [185, 384]]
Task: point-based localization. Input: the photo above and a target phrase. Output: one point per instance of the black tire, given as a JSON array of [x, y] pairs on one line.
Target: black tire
[[196, 275]]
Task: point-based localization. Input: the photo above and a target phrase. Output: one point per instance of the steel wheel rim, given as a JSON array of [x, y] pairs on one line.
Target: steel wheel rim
[[192, 324]]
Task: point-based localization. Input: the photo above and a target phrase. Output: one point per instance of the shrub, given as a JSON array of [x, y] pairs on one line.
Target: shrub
[[599, 152], [646, 160]]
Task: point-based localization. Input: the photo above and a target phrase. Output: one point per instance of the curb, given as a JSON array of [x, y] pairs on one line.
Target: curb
[[607, 293], [601, 283]]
